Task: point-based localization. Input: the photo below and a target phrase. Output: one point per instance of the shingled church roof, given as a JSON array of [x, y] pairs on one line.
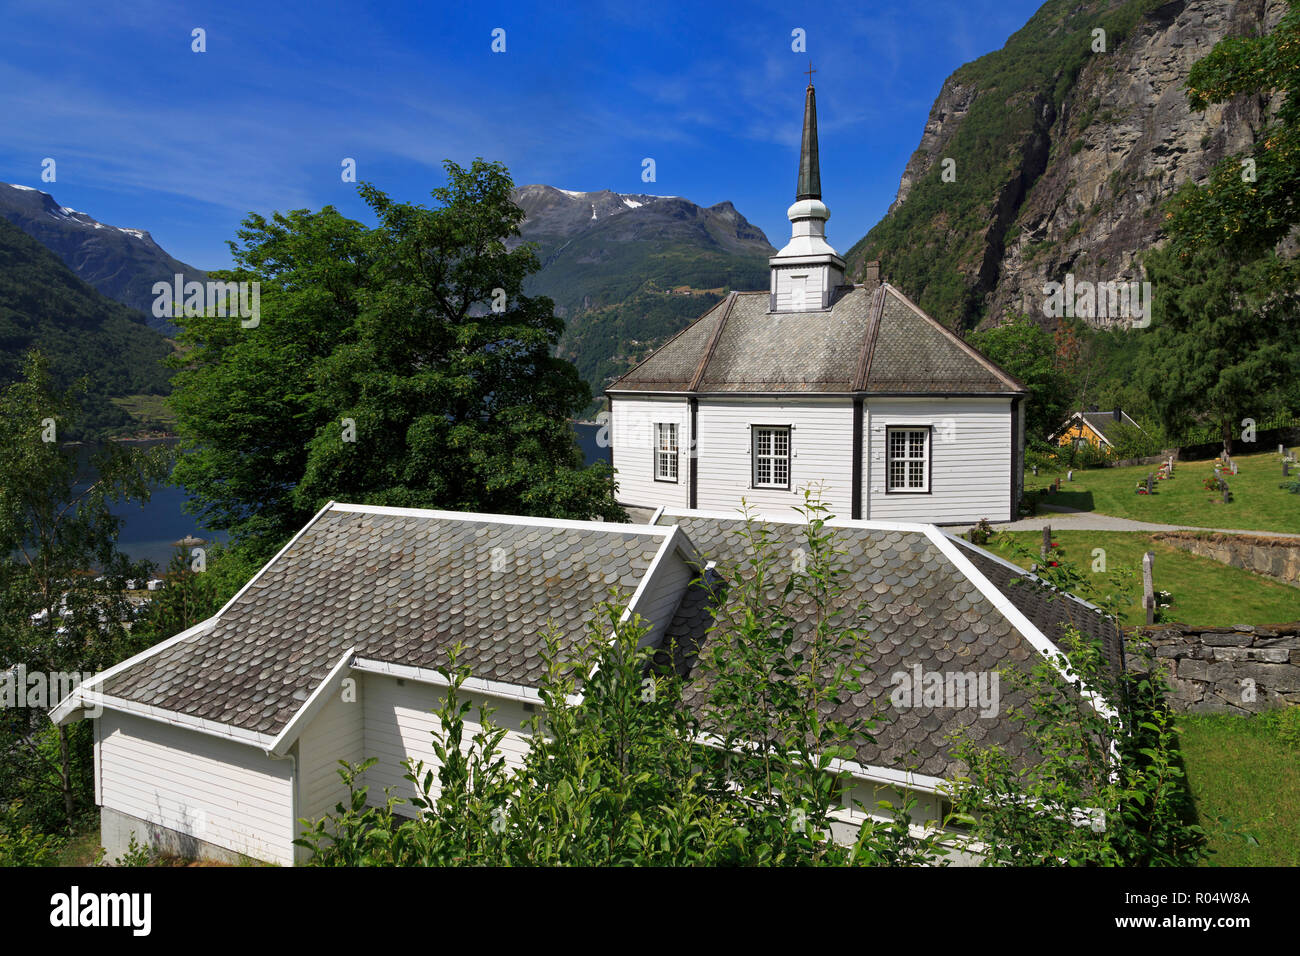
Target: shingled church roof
[[870, 341]]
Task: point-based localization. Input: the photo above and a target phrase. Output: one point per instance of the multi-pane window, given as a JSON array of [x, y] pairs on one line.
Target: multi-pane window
[[907, 466], [666, 451], [771, 456]]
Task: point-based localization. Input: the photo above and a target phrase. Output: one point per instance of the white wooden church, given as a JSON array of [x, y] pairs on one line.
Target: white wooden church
[[818, 380]]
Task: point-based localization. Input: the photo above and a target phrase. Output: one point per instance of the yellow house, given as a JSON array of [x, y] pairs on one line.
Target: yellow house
[[1092, 427]]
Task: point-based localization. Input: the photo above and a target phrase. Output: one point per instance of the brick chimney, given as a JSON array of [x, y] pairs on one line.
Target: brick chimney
[[1119, 416], [871, 274]]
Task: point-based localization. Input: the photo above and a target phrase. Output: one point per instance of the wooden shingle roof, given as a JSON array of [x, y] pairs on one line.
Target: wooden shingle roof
[[870, 341]]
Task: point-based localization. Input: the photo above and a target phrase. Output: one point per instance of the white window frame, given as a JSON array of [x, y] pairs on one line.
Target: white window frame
[[908, 459], [772, 456], [666, 452]]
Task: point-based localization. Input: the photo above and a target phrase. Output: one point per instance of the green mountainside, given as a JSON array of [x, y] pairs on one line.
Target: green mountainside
[[1061, 155], [627, 271], [84, 334]]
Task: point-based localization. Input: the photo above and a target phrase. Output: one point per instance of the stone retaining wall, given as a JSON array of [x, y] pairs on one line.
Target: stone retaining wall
[[1275, 557], [1235, 670]]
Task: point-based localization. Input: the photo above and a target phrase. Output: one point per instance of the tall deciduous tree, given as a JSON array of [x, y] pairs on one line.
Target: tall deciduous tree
[[57, 616], [399, 365]]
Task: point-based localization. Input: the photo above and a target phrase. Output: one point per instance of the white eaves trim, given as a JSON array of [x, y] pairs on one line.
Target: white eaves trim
[[63, 712], [311, 706], [1026, 627], [176, 719]]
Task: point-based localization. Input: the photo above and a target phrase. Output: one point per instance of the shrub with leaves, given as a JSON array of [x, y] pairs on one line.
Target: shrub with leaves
[[620, 771], [20, 845], [1104, 784]]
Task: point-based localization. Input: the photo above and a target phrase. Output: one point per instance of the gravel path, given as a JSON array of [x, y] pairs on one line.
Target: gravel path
[[1068, 519]]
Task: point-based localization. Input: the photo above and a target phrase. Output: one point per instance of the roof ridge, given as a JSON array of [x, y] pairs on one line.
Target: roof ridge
[[965, 346], [669, 341], [712, 345], [869, 339]]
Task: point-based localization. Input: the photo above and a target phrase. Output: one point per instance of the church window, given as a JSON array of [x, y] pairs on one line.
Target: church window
[[908, 459], [771, 456], [666, 451]]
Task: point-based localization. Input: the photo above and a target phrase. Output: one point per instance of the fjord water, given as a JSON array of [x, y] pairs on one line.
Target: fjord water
[[150, 530]]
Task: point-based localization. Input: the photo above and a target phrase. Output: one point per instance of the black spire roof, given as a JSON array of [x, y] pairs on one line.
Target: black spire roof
[[810, 177]]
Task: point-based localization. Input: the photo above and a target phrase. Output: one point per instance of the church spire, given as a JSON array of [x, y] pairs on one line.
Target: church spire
[[807, 271], [810, 177]]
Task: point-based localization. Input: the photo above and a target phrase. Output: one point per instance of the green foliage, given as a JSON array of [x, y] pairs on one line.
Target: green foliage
[[20, 845], [135, 855], [84, 335], [1234, 213], [56, 614], [1292, 486], [620, 772], [1027, 351], [1104, 791], [1225, 337], [454, 405], [1103, 786], [1137, 441]]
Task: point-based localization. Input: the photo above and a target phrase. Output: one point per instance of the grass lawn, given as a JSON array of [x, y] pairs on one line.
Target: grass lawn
[[82, 849], [1204, 592], [1258, 503], [1241, 769]]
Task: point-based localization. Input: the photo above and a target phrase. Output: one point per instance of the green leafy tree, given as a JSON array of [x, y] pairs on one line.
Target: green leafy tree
[[1251, 201], [56, 614], [399, 365], [1225, 344], [1225, 338], [1028, 351]]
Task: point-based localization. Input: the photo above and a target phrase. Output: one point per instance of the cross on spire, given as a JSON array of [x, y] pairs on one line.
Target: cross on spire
[[810, 71]]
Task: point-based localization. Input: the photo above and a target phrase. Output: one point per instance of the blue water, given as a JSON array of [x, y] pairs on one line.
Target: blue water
[[149, 531]]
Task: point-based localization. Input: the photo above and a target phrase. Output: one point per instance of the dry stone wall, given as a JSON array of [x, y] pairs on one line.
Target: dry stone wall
[[1237, 670]]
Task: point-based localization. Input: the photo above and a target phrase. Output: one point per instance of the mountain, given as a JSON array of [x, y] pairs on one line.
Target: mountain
[[121, 263], [628, 270], [1063, 156], [83, 333]]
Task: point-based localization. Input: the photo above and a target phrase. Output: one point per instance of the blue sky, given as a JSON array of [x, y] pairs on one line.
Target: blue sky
[[148, 134]]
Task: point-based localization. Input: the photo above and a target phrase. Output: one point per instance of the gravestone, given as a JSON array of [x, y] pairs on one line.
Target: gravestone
[[1148, 586], [1151, 480], [1047, 541]]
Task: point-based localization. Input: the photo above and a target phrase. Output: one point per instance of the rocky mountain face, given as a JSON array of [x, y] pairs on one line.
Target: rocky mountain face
[[1061, 167], [122, 264], [626, 271], [588, 242]]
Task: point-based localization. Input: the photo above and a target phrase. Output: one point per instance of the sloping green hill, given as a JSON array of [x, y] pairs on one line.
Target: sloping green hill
[[43, 305]]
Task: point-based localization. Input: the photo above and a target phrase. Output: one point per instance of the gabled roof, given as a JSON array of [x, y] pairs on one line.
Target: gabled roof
[[393, 585], [390, 590], [870, 341], [1102, 423], [928, 600]]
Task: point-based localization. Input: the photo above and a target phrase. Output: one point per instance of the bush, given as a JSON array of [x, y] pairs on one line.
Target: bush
[[1130, 441], [20, 845], [1107, 787]]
